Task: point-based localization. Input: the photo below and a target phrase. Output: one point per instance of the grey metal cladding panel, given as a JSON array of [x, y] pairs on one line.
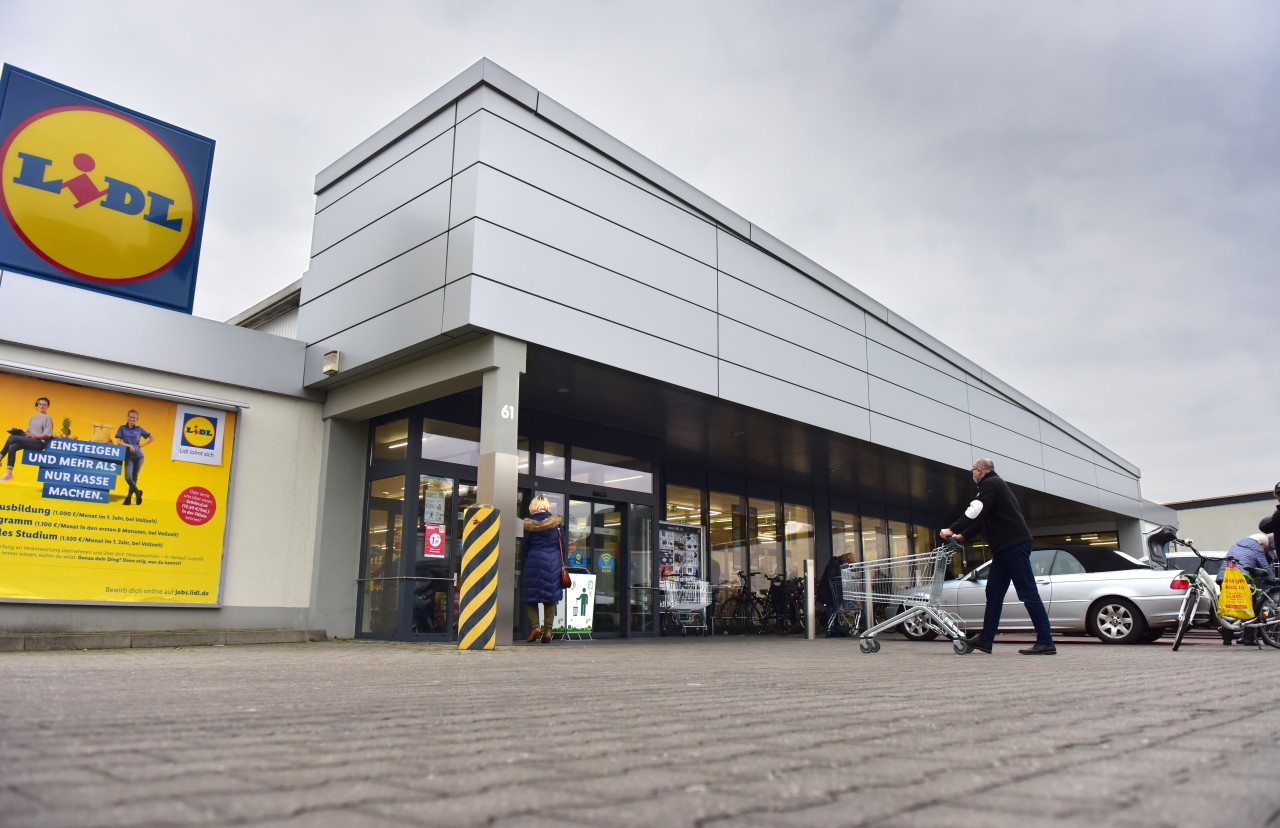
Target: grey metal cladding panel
[[910, 407], [816, 272], [490, 99], [530, 212], [1069, 465], [1006, 442], [1120, 484], [1129, 507], [536, 269], [746, 387], [396, 330], [397, 185], [461, 256], [998, 411], [400, 280], [160, 339], [759, 269], [1069, 488], [420, 220], [574, 145], [900, 369], [768, 313], [1013, 471], [408, 143], [443, 99], [1051, 435], [938, 351], [749, 348], [501, 309], [895, 434], [878, 331], [550, 168], [625, 155]]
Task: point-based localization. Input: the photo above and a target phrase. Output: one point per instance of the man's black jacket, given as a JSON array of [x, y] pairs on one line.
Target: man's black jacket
[[995, 515]]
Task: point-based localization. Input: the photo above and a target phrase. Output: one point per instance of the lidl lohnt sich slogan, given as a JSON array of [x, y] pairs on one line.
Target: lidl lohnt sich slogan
[[73, 529]]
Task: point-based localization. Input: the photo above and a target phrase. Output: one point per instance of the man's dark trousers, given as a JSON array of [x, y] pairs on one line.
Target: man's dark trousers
[[1013, 565]]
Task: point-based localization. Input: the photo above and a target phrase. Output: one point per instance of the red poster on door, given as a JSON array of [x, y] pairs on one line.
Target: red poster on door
[[433, 544]]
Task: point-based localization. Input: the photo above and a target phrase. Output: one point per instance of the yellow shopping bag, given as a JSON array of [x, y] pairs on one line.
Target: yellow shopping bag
[[1235, 600]]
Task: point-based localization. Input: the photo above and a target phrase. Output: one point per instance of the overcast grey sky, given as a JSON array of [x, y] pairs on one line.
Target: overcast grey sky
[[1083, 197]]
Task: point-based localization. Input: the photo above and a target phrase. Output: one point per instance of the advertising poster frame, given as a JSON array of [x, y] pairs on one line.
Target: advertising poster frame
[[681, 551], [71, 531]]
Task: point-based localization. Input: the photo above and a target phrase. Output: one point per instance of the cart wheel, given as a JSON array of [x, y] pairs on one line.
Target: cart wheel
[[961, 646], [869, 645]]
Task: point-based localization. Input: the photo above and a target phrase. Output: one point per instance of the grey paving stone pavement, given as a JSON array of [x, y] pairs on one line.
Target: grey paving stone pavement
[[728, 731]]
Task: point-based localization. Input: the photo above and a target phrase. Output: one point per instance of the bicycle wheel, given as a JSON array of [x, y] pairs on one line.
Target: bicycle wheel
[[1269, 609], [1186, 613]]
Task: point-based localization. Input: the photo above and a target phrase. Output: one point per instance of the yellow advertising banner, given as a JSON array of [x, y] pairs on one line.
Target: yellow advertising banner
[[108, 497]]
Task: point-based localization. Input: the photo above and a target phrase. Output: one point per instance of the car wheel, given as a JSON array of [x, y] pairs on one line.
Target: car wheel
[[918, 628], [1116, 621]]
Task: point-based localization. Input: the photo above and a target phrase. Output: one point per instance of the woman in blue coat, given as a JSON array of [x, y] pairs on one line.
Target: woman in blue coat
[[544, 548]]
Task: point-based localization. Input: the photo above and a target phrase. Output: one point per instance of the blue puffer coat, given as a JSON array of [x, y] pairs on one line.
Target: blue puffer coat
[[544, 547]]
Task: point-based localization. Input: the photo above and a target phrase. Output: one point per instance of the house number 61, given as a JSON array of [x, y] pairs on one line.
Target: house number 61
[[508, 412]]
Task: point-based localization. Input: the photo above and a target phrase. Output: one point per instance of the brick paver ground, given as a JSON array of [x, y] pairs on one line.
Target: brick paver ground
[[715, 733]]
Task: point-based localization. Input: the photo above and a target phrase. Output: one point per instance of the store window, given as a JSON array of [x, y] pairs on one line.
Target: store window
[[450, 443], [380, 593], [609, 470], [684, 505], [762, 534], [550, 462], [643, 618], [800, 538], [845, 531], [725, 531], [390, 441]]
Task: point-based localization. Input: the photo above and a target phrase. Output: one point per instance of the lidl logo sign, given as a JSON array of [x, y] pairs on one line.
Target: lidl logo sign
[[198, 435], [98, 196], [199, 431]]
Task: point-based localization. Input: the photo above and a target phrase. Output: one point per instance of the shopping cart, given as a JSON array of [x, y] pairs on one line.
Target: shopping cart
[[912, 583], [684, 601]]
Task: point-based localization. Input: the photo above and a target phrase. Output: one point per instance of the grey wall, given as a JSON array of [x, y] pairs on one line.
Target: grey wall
[[492, 207]]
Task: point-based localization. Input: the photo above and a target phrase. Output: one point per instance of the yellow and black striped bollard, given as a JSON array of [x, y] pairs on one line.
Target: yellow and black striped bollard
[[478, 600]]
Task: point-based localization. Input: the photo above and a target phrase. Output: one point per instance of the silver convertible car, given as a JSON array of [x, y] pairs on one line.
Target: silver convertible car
[[1087, 591]]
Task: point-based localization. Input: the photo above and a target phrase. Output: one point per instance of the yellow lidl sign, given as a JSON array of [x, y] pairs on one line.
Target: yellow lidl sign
[[98, 196]]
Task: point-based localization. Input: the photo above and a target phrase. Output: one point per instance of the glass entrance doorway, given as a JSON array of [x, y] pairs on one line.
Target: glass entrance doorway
[[597, 543], [409, 579]]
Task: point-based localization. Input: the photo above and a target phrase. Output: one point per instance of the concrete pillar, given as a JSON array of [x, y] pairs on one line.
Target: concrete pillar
[[339, 517], [498, 472], [1129, 536]]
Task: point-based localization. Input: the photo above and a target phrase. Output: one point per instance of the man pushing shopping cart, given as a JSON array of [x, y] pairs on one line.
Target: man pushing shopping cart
[[994, 513]]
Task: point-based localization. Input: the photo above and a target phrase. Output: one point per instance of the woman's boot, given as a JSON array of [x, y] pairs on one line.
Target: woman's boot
[[534, 636]]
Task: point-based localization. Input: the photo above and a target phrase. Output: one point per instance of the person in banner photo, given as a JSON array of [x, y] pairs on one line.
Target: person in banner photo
[[37, 436], [134, 437]]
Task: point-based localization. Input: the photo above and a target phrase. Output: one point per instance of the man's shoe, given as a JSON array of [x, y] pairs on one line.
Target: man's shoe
[[1040, 649], [977, 646]]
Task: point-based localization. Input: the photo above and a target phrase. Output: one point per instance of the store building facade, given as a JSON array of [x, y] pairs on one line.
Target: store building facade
[[502, 300]]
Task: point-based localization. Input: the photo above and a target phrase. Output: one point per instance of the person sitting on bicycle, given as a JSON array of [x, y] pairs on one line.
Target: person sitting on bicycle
[[1253, 551]]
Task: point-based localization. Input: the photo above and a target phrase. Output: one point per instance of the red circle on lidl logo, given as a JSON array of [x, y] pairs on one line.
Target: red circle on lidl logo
[[96, 194], [196, 505], [198, 432]]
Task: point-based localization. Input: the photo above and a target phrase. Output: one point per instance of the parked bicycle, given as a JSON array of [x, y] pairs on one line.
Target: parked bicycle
[[742, 611], [784, 605]]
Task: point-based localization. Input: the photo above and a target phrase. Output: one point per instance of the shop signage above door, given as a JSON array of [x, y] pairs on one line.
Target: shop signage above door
[[98, 196]]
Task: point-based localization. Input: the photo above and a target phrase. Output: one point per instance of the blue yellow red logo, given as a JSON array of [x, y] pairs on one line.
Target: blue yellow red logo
[[198, 431], [99, 196], [96, 194]]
